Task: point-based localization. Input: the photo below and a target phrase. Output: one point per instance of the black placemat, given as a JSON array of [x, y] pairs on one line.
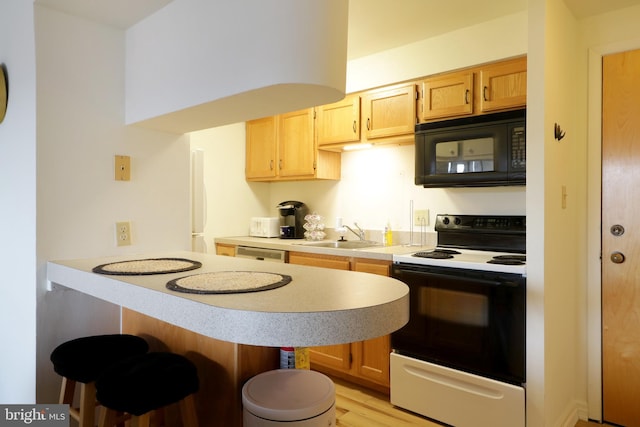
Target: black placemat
[[142, 267], [228, 282]]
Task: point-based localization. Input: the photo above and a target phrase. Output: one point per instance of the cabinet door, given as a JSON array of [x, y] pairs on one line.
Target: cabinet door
[[296, 144], [504, 85], [261, 148], [339, 122], [314, 260], [371, 357], [447, 96], [372, 266], [225, 250], [332, 356], [390, 111]]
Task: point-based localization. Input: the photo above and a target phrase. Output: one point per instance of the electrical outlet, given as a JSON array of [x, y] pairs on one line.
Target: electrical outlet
[[123, 233], [421, 217]]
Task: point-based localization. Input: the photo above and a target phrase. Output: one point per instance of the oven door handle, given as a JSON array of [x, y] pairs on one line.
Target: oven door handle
[[476, 279]]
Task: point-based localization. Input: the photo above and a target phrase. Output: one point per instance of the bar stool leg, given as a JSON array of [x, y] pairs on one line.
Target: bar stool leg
[[66, 391], [87, 404], [85, 414]]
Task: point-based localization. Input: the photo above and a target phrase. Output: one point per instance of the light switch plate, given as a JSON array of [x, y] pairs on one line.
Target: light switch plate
[[122, 168]]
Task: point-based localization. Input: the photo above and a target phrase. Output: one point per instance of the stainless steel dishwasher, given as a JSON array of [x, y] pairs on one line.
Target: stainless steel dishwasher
[[261, 254]]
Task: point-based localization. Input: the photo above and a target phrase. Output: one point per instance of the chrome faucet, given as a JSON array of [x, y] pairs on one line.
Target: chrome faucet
[[359, 233]]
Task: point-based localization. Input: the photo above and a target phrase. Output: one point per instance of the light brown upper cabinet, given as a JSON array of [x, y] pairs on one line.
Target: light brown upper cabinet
[[296, 143], [448, 95], [261, 149], [476, 90], [284, 147], [503, 85], [389, 111], [339, 123]]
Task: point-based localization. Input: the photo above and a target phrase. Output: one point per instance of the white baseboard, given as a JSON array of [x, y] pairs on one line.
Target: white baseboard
[[576, 410]]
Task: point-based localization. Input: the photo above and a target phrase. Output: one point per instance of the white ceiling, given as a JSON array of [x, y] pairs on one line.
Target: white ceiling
[[117, 13], [374, 25], [377, 25]]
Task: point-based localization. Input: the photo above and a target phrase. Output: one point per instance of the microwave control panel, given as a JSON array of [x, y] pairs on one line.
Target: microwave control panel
[[518, 148]]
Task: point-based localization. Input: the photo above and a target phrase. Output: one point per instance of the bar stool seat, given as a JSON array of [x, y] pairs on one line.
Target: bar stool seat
[[82, 360], [141, 384]]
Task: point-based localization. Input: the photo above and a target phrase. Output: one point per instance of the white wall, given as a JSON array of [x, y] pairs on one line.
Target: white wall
[[558, 274], [198, 64], [231, 201], [601, 35], [485, 42], [18, 213], [80, 127]]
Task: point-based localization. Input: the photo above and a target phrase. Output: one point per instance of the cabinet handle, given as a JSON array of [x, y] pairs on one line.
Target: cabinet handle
[[354, 126], [484, 93], [368, 122], [280, 164], [271, 164], [466, 96]]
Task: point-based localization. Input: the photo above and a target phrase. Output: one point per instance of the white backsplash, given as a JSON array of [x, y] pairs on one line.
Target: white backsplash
[[377, 188]]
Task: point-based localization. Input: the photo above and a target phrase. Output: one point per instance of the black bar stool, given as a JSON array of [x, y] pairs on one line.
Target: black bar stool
[[141, 384], [83, 360]]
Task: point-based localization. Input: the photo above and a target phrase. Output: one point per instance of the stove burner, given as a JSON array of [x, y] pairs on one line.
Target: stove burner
[[437, 254], [509, 260]]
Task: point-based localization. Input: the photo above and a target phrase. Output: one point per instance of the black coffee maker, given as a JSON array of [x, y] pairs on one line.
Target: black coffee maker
[[292, 215]]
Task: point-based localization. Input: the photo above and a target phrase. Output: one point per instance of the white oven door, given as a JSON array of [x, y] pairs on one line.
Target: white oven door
[[454, 397]]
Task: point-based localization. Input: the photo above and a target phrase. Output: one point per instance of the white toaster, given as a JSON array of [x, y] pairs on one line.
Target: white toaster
[[264, 227]]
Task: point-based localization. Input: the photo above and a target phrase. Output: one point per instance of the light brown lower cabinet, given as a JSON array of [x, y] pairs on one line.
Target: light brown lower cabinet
[[225, 250], [364, 362]]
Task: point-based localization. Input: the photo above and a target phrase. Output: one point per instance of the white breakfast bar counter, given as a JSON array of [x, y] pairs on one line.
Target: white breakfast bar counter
[[232, 337], [318, 307]]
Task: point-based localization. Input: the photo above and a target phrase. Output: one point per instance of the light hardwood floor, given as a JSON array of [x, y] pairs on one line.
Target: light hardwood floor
[[360, 407]]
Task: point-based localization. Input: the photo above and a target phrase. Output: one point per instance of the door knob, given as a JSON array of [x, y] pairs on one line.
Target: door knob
[[617, 257]]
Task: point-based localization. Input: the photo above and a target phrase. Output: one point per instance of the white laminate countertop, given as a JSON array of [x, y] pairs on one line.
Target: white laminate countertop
[[299, 245], [318, 307]]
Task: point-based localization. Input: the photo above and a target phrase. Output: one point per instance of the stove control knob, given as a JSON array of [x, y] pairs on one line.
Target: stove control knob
[[446, 220], [617, 257], [457, 221]]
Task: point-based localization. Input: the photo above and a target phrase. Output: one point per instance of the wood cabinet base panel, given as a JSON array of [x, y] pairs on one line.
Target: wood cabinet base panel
[[223, 367]]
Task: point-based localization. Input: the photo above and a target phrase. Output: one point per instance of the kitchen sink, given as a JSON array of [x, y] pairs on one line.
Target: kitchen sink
[[343, 244]]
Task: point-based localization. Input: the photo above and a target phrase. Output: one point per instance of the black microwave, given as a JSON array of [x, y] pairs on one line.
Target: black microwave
[[479, 151]]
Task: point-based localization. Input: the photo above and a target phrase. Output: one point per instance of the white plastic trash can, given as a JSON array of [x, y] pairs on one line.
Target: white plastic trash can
[[291, 397]]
